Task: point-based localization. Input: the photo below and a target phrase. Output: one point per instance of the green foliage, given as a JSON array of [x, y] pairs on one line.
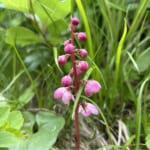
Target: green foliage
[[143, 60], [4, 112], [47, 11], [7, 139], [47, 125], [21, 36], [25, 97], [16, 4], [148, 141], [10, 125]]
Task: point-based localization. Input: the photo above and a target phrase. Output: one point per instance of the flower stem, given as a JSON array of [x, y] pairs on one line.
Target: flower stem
[[77, 130], [76, 88], [76, 120]]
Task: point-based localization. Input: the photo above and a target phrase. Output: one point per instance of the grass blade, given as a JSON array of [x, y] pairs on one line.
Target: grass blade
[[139, 113], [87, 28], [55, 58], [137, 19], [119, 52]]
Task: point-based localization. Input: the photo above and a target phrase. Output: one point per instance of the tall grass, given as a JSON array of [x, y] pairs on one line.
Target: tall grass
[[116, 45]]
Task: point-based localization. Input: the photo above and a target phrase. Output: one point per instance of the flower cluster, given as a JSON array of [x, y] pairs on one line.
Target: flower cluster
[[70, 83]]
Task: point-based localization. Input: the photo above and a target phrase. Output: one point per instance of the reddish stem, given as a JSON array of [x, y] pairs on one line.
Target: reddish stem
[[76, 87], [77, 129], [76, 120]]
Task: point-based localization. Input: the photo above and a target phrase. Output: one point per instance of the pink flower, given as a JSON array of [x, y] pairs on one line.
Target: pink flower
[[69, 48], [75, 21], [62, 59], [83, 65], [67, 97], [59, 92], [63, 94], [86, 109], [83, 53], [66, 80], [91, 87], [81, 36]]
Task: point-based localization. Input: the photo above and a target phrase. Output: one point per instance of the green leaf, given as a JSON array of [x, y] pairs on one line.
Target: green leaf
[[51, 11], [45, 11], [25, 97], [4, 113], [21, 5], [7, 139], [21, 36], [143, 60], [3, 101], [15, 119], [56, 29], [44, 117], [147, 141], [29, 120], [49, 126]]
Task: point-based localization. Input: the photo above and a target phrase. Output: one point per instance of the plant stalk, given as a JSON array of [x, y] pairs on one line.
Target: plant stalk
[[76, 88]]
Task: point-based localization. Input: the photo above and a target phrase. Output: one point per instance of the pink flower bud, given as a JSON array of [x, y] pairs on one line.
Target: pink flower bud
[[59, 92], [66, 80], [81, 36], [83, 53], [69, 49], [75, 21], [78, 71], [62, 59], [91, 87], [86, 109], [83, 65]]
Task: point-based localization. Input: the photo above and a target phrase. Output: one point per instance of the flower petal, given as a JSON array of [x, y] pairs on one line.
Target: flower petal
[[66, 97], [59, 92]]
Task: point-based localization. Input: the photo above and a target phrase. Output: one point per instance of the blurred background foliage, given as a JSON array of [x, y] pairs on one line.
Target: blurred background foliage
[[31, 37]]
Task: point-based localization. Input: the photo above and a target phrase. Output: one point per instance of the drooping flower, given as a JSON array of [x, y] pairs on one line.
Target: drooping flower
[[91, 87], [81, 36], [69, 48], [67, 97], [63, 94], [58, 93], [86, 109], [66, 80]]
